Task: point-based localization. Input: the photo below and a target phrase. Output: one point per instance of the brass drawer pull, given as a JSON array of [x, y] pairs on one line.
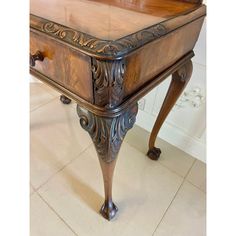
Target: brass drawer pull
[[38, 56]]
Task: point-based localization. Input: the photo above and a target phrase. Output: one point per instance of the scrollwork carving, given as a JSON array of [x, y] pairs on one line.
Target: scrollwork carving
[[110, 48], [107, 133], [184, 73]]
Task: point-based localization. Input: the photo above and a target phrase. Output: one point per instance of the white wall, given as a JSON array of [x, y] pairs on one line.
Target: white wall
[[185, 127]]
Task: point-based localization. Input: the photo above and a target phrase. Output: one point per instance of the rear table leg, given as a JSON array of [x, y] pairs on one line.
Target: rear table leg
[[180, 78], [65, 100]]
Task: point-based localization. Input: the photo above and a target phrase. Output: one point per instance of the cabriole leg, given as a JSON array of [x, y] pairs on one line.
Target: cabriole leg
[[179, 80], [107, 134]]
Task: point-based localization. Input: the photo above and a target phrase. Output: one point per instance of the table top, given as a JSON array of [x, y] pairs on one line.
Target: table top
[[109, 19], [111, 28]]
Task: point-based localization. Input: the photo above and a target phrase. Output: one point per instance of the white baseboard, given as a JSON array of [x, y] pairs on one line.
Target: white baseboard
[[174, 136], [183, 141]]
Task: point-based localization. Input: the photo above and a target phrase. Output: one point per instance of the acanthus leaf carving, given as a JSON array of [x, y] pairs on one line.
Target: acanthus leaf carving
[[108, 78], [107, 133]]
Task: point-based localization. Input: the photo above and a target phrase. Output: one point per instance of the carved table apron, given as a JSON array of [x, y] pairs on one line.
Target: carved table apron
[[106, 77]]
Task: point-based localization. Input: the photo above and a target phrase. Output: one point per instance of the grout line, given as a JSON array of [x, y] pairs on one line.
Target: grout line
[[47, 90], [196, 186], [182, 176], [63, 167], [57, 214], [36, 108], [42, 85], [168, 207], [36, 189], [173, 198], [191, 182], [72, 160], [190, 169]]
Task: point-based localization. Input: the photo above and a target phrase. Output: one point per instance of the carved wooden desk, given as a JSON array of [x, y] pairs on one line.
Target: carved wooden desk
[[106, 55]]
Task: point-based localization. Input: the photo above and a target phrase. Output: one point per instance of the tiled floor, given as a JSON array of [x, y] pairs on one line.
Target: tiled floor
[[163, 198]]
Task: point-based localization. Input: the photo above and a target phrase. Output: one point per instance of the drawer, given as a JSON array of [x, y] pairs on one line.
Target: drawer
[[64, 65]]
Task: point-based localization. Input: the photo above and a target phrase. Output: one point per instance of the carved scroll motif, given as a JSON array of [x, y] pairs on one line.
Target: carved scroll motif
[[184, 73], [107, 133], [108, 79], [101, 47]]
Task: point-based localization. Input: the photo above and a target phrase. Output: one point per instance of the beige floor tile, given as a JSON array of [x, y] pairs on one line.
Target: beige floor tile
[[39, 95], [52, 91], [47, 89], [31, 190], [56, 138], [197, 175], [73, 105], [142, 191], [186, 215], [44, 221], [171, 157]]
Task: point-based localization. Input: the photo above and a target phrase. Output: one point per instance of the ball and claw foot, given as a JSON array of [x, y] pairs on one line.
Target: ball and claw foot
[[154, 153], [108, 210], [65, 100]]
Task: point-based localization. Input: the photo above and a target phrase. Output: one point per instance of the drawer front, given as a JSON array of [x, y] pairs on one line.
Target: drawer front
[[64, 65]]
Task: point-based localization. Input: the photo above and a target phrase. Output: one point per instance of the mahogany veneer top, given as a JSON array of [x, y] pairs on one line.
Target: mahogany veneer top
[[109, 19]]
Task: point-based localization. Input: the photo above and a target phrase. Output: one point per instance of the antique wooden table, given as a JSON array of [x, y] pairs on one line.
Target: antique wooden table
[[106, 55]]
